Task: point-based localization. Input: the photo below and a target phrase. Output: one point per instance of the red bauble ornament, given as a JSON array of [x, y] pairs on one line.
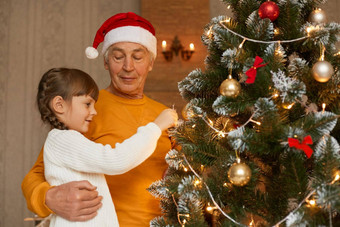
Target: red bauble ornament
[[269, 10]]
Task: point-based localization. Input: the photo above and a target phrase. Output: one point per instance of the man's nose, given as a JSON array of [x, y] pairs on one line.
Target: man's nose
[[128, 64]]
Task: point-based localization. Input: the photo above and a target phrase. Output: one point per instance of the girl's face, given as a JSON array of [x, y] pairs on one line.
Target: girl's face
[[79, 113]]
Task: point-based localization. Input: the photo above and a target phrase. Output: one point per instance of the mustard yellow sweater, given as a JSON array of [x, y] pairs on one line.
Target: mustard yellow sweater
[[117, 119]]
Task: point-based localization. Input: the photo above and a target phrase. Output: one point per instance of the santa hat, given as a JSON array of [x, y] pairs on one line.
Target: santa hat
[[124, 27]]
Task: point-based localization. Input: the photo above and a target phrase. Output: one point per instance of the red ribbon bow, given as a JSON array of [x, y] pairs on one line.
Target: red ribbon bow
[[251, 73], [302, 146]]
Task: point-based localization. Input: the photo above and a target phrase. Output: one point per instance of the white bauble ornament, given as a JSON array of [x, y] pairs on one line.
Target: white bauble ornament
[[322, 71], [317, 16]]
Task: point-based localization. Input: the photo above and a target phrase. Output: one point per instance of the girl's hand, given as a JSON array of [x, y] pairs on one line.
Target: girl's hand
[[168, 118]]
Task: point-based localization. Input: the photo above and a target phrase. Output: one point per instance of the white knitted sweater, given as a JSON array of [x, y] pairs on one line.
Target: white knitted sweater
[[69, 156]]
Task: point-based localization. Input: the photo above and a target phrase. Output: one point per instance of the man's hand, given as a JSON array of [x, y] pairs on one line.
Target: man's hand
[[74, 201]]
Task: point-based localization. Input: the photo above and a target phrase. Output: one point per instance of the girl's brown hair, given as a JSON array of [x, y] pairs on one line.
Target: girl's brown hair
[[66, 83]]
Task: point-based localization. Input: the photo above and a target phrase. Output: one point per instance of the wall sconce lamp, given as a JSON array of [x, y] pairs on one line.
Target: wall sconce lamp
[[177, 47]]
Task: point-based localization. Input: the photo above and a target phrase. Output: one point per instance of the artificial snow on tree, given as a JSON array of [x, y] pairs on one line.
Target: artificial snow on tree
[[264, 150]]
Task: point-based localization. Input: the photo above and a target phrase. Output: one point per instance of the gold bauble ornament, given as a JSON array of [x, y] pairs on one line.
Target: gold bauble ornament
[[322, 71], [230, 87], [187, 112], [239, 174], [317, 16]]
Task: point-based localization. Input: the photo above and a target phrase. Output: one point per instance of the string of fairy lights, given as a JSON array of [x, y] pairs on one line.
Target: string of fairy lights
[[308, 198], [261, 41], [309, 30], [223, 134]]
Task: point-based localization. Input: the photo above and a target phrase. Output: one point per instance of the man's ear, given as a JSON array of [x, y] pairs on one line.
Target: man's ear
[[106, 65], [151, 64], [58, 104]]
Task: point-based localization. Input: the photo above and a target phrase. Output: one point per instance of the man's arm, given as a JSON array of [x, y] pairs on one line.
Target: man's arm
[[75, 201], [34, 188]]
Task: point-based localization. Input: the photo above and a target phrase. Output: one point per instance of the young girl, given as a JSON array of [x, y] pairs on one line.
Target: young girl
[[66, 99]]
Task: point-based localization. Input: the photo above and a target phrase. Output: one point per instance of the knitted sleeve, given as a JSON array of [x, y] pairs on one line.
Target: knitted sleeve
[[34, 188], [71, 149]]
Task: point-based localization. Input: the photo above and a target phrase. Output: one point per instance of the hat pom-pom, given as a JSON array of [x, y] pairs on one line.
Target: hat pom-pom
[[91, 52]]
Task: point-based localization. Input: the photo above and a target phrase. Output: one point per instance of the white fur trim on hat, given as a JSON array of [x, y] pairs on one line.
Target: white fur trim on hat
[[91, 52], [132, 34]]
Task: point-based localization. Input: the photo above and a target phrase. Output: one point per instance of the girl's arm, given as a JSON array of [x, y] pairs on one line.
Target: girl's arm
[[71, 149]]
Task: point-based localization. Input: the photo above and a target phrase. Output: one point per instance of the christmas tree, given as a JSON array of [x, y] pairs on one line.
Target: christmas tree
[[259, 145]]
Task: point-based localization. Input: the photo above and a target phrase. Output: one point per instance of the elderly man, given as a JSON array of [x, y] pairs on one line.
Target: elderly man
[[129, 48]]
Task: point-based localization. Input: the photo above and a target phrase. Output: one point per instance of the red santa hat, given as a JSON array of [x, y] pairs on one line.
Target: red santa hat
[[124, 27]]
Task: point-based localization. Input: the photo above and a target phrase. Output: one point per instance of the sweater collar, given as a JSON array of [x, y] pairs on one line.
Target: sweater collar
[[123, 100]]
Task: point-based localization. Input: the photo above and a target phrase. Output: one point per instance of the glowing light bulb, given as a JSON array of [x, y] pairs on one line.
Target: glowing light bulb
[[311, 202], [251, 223], [191, 47], [197, 182], [323, 107], [309, 29], [336, 177], [209, 32], [221, 134], [209, 208], [202, 167], [241, 45], [256, 122], [184, 222], [287, 106], [164, 45]]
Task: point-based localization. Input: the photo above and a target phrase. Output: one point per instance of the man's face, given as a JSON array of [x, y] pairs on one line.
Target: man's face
[[128, 64]]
